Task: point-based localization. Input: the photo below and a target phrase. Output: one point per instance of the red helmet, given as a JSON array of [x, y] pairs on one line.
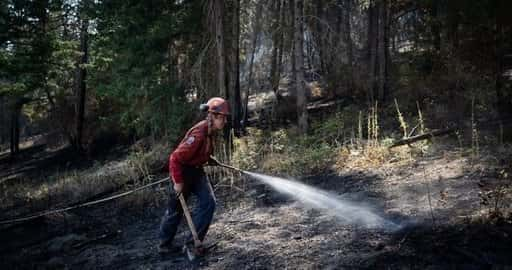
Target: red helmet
[[216, 105]]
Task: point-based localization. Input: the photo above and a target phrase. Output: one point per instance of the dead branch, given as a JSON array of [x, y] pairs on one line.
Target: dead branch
[[423, 136]]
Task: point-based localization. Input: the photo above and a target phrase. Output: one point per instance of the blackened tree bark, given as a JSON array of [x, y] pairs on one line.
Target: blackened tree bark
[[172, 63], [81, 83], [348, 41], [373, 31], [302, 113], [292, 42], [382, 49], [320, 40], [502, 38], [387, 46], [3, 121], [436, 35], [16, 107], [218, 13], [453, 23], [280, 52], [276, 37], [15, 129], [234, 73], [254, 43]]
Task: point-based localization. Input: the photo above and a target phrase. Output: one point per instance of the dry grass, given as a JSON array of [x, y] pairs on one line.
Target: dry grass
[[336, 144], [71, 187], [372, 157], [63, 189]]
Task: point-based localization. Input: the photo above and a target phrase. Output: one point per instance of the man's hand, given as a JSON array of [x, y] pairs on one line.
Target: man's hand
[[213, 162], [178, 188]]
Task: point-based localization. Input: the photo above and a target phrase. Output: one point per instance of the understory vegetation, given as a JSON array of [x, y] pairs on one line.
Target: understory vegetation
[[353, 140]]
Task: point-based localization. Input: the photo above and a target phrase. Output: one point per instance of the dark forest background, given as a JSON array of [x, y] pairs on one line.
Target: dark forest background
[[89, 73]]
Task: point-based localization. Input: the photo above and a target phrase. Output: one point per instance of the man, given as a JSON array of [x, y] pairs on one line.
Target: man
[[186, 171]]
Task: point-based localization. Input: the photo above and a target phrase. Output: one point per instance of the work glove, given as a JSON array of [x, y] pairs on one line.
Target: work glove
[[213, 162], [178, 188]]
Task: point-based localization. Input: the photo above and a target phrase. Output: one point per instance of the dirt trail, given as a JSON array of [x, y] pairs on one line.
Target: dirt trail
[[264, 230]]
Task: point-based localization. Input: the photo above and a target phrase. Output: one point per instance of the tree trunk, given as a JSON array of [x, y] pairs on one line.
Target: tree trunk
[[504, 98], [254, 43], [81, 84], [16, 107], [15, 132], [302, 113], [279, 65], [172, 63], [219, 37], [234, 74], [3, 123], [387, 54], [291, 85], [350, 53], [436, 35], [382, 55], [319, 34], [373, 24], [281, 47], [454, 20], [275, 45]]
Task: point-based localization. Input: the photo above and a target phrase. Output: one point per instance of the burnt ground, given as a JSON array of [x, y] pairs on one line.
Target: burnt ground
[[435, 199]]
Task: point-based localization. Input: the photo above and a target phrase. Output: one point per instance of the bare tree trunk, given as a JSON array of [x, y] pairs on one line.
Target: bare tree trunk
[[436, 28], [81, 84], [387, 47], [219, 37], [16, 107], [373, 23], [276, 76], [292, 43], [302, 113], [275, 44], [234, 74], [454, 25], [382, 7], [3, 122], [172, 63], [281, 46], [350, 53], [255, 35], [504, 101], [319, 34], [15, 130]]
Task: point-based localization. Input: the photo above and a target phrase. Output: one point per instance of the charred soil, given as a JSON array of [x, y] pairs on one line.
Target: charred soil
[[436, 200]]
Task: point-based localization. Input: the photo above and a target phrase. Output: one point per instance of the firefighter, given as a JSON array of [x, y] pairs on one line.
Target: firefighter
[[188, 177]]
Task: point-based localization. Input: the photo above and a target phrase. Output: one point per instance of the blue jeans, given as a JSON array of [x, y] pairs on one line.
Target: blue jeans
[[202, 216]]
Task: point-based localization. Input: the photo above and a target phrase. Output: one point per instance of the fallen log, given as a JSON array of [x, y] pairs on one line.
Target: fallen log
[[424, 136], [262, 117]]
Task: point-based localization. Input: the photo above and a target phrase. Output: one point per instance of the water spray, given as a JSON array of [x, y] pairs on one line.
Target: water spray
[[345, 210]]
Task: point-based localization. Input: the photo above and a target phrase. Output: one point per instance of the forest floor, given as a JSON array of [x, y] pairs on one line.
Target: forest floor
[[437, 200]]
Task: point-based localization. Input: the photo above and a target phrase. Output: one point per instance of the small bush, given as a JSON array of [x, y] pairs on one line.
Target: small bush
[[287, 153]]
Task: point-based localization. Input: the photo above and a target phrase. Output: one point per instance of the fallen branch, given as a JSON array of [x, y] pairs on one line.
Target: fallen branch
[[322, 104], [423, 136]]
